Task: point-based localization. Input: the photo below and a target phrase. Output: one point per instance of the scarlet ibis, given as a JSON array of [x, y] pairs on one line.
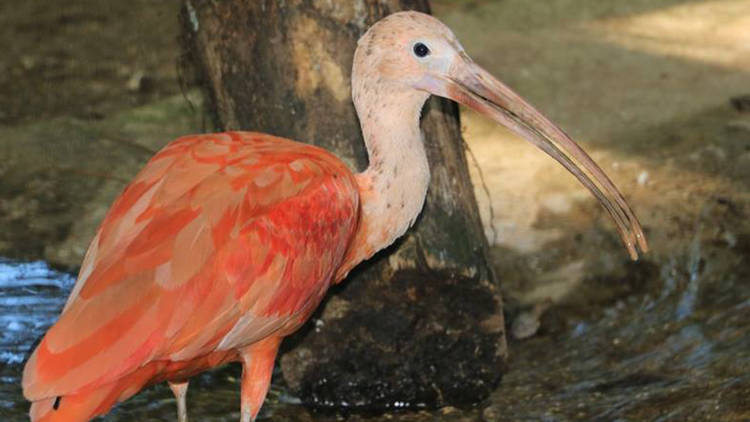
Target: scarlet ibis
[[225, 243]]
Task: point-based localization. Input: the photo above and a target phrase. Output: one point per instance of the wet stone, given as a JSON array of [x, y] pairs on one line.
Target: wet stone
[[527, 323], [491, 414]]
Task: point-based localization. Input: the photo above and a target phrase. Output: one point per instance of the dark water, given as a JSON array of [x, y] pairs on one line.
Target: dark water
[[31, 296]]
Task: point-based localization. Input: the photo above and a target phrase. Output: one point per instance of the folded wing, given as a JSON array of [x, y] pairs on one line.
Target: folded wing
[[219, 241]]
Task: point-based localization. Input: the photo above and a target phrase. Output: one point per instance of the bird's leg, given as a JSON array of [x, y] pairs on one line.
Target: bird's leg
[[257, 366], [180, 391]]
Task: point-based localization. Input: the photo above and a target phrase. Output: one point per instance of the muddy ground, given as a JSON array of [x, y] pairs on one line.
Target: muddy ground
[[652, 89]]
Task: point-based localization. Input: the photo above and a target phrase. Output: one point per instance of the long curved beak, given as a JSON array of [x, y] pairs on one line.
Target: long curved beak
[[469, 84]]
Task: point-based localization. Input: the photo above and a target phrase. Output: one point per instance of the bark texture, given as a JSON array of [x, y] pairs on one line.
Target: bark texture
[[419, 325]]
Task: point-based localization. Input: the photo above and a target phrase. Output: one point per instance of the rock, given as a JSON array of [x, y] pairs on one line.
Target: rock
[[643, 177], [741, 102], [527, 323], [492, 413], [140, 82]]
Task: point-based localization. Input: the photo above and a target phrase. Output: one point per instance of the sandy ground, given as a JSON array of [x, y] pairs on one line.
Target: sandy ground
[[89, 88]]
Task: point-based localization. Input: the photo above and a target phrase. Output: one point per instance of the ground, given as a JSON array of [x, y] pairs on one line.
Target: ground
[[652, 89]]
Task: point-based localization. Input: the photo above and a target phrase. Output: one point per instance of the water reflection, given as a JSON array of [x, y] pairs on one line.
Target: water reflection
[[31, 296]]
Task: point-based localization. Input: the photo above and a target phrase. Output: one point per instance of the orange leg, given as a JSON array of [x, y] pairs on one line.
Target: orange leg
[[257, 365], [180, 390]]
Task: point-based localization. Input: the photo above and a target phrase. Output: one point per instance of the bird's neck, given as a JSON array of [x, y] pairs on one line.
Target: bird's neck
[[393, 187]]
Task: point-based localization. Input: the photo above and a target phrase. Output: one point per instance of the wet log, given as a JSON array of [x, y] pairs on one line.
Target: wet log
[[419, 325]]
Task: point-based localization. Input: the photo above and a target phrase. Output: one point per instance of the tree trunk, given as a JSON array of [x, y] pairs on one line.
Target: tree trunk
[[419, 325]]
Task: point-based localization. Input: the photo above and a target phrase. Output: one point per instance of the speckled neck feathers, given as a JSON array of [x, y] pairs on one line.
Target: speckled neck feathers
[[394, 185]]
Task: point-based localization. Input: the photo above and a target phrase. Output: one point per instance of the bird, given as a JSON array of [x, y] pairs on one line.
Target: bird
[[225, 243]]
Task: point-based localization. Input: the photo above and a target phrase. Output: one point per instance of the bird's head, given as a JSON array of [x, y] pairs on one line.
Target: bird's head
[[416, 55], [405, 47]]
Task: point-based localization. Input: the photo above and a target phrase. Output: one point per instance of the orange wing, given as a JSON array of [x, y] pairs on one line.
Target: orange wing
[[219, 241]]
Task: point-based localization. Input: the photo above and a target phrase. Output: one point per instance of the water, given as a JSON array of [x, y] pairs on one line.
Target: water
[[31, 297]]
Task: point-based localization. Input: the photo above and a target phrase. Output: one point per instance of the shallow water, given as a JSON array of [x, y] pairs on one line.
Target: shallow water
[[31, 296]]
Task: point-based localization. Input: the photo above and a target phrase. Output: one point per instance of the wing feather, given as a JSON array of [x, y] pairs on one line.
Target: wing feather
[[219, 241]]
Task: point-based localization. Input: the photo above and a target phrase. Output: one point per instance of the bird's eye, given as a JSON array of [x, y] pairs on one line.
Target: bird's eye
[[421, 50]]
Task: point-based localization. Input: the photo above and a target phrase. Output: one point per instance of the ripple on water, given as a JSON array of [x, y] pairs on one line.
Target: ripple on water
[[31, 297]]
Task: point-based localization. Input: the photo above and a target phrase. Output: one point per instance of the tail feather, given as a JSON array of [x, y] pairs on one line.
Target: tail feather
[[78, 407], [86, 404]]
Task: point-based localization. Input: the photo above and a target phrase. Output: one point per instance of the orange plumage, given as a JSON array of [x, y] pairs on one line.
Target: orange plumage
[[219, 242]]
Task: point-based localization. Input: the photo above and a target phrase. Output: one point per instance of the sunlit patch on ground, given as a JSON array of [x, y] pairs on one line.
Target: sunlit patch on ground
[[713, 32]]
